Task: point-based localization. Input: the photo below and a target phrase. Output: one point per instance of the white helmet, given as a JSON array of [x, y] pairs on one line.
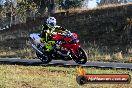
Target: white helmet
[[51, 21]]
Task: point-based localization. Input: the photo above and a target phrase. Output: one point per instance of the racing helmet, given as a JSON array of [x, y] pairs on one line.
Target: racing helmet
[[51, 22]]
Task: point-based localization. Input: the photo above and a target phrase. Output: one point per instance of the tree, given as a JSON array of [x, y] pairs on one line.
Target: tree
[[51, 7], [43, 4], [67, 4], [102, 2]]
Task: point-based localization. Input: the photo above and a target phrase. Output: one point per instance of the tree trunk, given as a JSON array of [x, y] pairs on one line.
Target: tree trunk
[[51, 7]]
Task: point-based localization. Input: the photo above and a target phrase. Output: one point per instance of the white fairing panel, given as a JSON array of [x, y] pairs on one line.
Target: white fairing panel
[[35, 37]]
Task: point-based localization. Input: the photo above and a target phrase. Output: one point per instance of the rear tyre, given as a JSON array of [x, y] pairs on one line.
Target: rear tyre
[[44, 58], [82, 56]]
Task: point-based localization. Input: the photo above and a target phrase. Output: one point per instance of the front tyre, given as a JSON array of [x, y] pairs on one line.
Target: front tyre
[[81, 56]]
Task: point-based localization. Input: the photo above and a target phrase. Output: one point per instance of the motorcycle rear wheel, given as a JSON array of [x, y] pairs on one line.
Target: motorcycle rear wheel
[[82, 56], [44, 58]]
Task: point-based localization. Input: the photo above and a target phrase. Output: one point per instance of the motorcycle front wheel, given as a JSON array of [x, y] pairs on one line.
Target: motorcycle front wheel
[[81, 56]]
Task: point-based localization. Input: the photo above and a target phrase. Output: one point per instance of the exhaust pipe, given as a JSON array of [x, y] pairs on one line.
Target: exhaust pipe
[[63, 54], [37, 49]]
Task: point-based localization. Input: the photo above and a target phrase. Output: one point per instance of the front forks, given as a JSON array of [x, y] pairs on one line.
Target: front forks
[[73, 52]]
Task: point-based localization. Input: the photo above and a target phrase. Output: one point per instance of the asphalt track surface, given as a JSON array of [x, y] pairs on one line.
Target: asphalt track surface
[[37, 62]]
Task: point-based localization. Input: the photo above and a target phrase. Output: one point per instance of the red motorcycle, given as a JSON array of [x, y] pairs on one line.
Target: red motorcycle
[[64, 46], [67, 46]]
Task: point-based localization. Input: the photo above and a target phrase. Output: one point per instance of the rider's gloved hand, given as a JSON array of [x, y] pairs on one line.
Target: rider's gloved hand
[[62, 28]]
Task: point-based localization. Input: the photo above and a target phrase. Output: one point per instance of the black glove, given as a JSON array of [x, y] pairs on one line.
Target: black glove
[[62, 28]]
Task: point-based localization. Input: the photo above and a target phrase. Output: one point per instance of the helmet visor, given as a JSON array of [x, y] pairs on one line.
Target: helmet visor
[[52, 24]]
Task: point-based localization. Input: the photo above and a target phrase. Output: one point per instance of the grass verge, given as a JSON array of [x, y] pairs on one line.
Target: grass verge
[[14, 76]]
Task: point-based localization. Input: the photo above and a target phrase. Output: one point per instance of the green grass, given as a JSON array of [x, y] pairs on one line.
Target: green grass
[[19, 53], [14, 76]]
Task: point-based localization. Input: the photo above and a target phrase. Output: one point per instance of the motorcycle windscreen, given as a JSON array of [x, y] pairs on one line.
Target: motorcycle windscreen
[[35, 37]]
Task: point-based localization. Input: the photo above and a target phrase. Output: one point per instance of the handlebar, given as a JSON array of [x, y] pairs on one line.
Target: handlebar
[[68, 32]]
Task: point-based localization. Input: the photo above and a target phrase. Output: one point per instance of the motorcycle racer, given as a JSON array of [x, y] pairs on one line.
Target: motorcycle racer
[[56, 42], [49, 29]]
